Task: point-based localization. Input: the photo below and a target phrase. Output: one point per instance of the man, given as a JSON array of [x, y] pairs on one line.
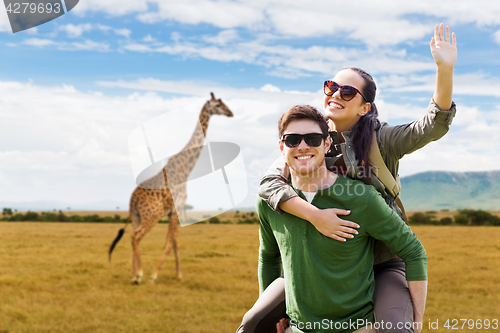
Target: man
[[329, 284]]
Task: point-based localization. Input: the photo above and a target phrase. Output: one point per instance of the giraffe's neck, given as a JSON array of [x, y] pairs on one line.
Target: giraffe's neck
[[185, 160], [195, 144]]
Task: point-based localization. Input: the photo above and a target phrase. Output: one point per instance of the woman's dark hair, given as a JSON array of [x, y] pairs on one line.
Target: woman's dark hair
[[362, 131]]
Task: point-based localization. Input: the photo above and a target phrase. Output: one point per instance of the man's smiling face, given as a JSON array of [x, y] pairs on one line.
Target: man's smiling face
[[303, 159]]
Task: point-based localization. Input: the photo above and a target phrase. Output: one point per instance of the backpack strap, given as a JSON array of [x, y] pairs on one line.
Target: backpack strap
[[380, 170]]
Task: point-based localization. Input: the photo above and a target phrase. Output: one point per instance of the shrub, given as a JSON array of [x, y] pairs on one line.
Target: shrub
[[420, 218], [480, 217], [214, 220], [446, 221], [461, 219], [252, 220], [495, 220], [31, 216]]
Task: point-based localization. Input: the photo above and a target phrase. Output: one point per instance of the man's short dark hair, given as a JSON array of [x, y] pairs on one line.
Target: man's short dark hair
[[299, 112]]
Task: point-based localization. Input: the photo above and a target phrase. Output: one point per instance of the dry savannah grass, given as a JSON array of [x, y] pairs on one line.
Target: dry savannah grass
[[55, 277]]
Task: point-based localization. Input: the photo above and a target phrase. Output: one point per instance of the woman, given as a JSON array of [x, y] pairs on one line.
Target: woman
[[349, 106]]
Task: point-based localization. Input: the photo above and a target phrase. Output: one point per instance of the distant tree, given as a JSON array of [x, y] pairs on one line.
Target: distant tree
[[446, 221], [480, 217], [461, 219], [477, 217], [61, 217], [186, 208], [495, 220], [252, 220], [31, 216], [7, 211], [420, 218], [214, 220]]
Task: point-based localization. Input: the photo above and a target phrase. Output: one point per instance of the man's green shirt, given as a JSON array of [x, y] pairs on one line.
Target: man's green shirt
[[327, 282]]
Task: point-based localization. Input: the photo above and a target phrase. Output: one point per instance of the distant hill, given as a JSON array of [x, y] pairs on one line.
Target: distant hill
[[437, 190]]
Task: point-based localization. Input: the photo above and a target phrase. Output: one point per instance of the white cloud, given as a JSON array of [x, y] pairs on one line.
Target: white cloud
[[59, 136], [123, 32], [270, 88], [38, 42], [223, 38], [148, 39], [372, 23], [288, 61], [4, 22], [111, 7], [102, 27], [223, 14], [86, 45], [138, 47], [496, 37], [472, 84], [76, 30]]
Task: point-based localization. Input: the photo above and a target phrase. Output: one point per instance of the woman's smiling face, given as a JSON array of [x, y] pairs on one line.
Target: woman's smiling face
[[346, 114]]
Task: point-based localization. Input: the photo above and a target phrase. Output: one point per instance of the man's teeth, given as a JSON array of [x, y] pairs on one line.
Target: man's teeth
[[303, 157]]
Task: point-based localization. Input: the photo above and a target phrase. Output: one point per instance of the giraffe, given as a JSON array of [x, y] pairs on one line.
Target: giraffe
[[157, 197]]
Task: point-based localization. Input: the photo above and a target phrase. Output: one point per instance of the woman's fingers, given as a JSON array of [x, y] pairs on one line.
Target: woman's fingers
[[338, 211]]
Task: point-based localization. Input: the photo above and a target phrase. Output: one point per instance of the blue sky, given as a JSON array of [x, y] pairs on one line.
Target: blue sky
[[74, 89]]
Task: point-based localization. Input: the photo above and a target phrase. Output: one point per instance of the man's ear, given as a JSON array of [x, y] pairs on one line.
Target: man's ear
[[328, 143], [365, 109], [280, 143]]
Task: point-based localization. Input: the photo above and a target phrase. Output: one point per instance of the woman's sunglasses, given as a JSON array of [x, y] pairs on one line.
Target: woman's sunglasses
[[311, 139], [346, 92]]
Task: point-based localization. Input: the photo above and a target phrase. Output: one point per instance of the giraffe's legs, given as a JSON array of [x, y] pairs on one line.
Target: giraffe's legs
[[137, 235], [172, 241], [177, 253]]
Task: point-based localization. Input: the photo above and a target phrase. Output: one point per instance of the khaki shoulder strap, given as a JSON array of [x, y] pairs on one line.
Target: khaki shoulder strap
[[380, 169]]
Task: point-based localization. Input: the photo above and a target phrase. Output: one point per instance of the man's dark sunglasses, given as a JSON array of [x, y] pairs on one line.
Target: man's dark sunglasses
[[311, 139], [346, 92]]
